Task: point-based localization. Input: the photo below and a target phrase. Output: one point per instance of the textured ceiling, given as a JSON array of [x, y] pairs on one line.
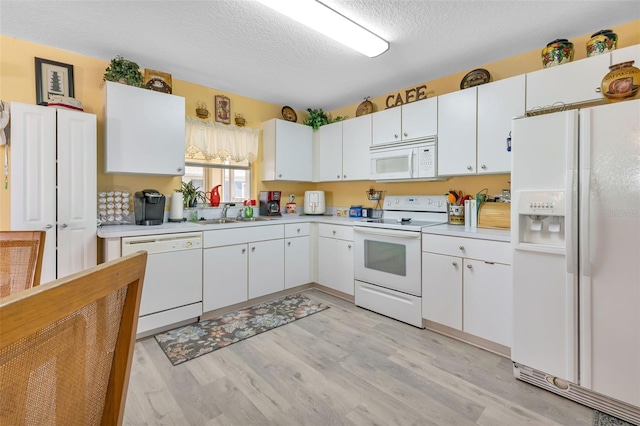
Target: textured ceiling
[[244, 48]]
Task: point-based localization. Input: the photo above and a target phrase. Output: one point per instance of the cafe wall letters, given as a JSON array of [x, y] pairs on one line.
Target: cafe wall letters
[[408, 96]]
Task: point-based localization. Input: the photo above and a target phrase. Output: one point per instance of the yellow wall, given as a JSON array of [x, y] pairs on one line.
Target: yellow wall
[[17, 83]]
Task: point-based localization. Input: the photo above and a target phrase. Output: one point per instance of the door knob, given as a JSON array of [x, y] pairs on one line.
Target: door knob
[[469, 168], [48, 226], [64, 225], [461, 247], [288, 243], [484, 167], [469, 266], [454, 264]]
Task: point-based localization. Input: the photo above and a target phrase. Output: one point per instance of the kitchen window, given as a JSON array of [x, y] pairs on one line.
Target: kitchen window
[[235, 178]]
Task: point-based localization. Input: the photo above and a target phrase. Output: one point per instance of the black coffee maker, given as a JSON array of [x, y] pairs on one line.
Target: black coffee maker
[[270, 203], [148, 206]]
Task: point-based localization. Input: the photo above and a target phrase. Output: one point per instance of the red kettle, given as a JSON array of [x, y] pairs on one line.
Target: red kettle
[[214, 196]]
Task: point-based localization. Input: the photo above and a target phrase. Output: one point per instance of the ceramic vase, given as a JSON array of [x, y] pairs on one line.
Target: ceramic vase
[[621, 82], [557, 52], [601, 42]]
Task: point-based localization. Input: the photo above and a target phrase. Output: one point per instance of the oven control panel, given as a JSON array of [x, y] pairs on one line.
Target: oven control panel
[[418, 203]]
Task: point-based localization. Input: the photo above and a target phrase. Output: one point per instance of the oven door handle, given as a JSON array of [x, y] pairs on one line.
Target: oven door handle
[[389, 233]]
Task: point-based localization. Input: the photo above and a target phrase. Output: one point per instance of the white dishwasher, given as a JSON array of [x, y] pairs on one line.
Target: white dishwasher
[[172, 289]]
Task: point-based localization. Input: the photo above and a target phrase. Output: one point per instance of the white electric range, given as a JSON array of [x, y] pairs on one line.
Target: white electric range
[[388, 255]]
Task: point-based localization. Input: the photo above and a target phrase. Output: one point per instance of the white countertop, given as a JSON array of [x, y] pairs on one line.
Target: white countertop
[[468, 232], [117, 231]]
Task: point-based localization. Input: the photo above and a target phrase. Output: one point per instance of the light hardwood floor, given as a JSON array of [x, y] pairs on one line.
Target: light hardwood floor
[[342, 366]]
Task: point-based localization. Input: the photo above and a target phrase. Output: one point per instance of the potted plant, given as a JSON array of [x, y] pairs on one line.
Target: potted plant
[[124, 71], [191, 193], [317, 118]]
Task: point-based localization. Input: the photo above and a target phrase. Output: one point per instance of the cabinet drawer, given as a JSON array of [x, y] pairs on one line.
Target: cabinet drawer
[[340, 232], [225, 237], [296, 229], [471, 248]]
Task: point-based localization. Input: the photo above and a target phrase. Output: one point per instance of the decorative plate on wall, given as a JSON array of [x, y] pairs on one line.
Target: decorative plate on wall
[[289, 114], [475, 78], [364, 108]]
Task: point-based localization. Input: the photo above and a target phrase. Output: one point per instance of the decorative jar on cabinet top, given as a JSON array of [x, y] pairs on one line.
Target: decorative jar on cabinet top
[[558, 52], [621, 82], [601, 42]]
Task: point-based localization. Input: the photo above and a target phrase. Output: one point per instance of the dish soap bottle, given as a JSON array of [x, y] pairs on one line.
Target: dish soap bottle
[[248, 210]]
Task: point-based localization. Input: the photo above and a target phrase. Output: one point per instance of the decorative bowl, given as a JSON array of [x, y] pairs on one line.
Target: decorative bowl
[[557, 52]]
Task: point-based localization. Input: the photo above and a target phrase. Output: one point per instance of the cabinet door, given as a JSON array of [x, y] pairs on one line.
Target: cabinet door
[[442, 289], [498, 103], [488, 301], [420, 119], [297, 261], [266, 267], [144, 131], [457, 133], [329, 140], [570, 83], [224, 276], [356, 141], [77, 186], [386, 126], [335, 264], [630, 53], [33, 177], [293, 152]]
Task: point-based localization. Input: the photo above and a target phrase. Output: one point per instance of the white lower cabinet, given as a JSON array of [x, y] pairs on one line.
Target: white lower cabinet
[[467, 285], [335, 257], [297, 254], [241, 263]]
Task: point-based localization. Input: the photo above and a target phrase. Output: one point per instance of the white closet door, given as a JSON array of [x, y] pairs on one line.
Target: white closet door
[[33, 177], [77, 184]]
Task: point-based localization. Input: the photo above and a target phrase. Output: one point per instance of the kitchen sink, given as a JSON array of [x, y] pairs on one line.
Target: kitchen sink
[[253, 219], [216, 221]]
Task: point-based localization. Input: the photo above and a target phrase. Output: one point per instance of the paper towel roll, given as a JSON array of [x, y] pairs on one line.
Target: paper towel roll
[[176, 211]]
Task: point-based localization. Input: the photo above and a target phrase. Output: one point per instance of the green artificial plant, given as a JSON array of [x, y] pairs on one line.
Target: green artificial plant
[[191, 193], [317, 118], [123, 71]]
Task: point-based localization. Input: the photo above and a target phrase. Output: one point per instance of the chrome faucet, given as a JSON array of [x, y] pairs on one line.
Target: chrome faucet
[[225, 207]]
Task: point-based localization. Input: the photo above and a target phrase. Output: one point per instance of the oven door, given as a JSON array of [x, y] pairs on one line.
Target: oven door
[[388, 258]]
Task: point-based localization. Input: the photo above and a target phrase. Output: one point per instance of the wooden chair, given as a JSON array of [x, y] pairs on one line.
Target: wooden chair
[[66, 347], [20, 260]]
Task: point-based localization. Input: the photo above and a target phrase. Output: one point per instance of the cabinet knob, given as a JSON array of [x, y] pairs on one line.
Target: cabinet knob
[[253, 248], [334, 232], [461, 247], [455, 264], [279, 176], [288, 243], [469, 168], [179, 169], [344, 176], [64, 225], [483, 167], [298, 230], [48, 226], [338, 176], [598, 90], [349, 246], [244, 251], [395, 136], [469, 266]]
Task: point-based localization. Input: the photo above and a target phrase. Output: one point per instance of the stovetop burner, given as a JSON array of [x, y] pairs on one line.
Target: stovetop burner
[[410, 212]]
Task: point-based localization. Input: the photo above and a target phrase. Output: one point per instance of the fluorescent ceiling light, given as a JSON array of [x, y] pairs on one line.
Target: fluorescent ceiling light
[[327, 21]]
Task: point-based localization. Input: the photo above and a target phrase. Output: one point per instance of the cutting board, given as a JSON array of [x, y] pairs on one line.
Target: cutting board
[[494, 215]]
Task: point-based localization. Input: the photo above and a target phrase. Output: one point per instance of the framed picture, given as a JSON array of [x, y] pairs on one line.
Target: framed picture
[[158, 81], [223, 109], [52, 79]]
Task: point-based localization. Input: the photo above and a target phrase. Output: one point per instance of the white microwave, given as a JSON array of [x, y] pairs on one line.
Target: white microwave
[[404, 161]]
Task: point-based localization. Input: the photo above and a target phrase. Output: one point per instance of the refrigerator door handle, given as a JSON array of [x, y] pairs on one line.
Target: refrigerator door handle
[[585, 205], [570, 226]]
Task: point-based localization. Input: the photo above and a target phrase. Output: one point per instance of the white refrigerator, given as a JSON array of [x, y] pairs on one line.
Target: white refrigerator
[[575, 225]]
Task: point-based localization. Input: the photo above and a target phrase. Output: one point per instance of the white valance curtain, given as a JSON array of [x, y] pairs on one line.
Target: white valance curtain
[[212, 140]]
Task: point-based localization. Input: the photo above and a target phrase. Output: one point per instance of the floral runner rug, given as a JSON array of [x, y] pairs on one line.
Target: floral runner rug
[[604, 419], [189, 342]]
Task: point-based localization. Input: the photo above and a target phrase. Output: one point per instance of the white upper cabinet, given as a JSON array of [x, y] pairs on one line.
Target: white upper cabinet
[[572, 83], [144, 131], [287, 151], [626, 54], [457, 133], [411, 121], [498, 104], [342, 150]]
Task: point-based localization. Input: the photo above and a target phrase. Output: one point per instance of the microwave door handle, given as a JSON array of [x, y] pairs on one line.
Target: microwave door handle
[[412, 158]]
